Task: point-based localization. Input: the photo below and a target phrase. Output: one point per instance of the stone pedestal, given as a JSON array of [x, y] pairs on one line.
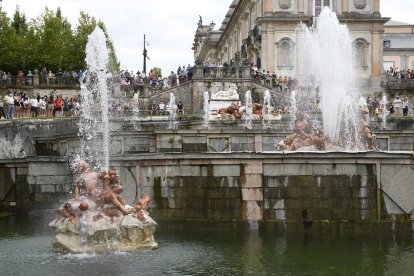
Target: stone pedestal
[[36, 80]]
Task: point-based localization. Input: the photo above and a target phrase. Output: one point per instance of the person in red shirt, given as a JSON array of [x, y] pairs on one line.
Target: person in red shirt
[[58, 105]]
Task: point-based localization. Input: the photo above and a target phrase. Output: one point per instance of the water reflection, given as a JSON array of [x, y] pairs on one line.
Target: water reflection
[[26, 249]]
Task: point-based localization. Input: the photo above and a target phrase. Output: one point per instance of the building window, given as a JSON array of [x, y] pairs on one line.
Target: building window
[[285, 53], [319, 5], [387, 44], [361, 54]]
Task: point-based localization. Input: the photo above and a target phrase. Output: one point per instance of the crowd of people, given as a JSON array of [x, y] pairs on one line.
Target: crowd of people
[[401, 73], [136, 81], [46, 77], [21, 105], [282, 84], [396, 107]]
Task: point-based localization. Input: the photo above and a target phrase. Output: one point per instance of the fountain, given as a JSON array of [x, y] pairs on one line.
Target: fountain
[[266, 110], [98, 218], [206, 109], [293, 107], [135, 112], [384, 111], [172, 110], [327, 60], [12, 149], [248, 110]]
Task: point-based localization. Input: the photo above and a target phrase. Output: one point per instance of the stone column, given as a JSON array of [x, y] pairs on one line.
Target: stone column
[[345, 6], [252, 190], [301, 6], [268, 6], [376, 6], [198, 72], [270, 49], [376, 61], [263, 52]]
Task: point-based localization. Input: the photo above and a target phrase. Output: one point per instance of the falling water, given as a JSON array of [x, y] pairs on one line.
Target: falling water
[[385, 112], [266, 110], [12, 149], [249, 110], [293, 108], [94, 89], [206, 109], [135, 111], [173, 124], [327, 58]]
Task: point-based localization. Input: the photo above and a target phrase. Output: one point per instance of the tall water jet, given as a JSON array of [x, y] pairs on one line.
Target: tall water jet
[[135, 112], [293, 108], [266, 110], [248, 110], [327, 58], [206, 109], [94, 88], [173, 124], [384, 111]]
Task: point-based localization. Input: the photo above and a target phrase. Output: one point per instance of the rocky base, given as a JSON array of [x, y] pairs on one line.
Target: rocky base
[[89, 234]]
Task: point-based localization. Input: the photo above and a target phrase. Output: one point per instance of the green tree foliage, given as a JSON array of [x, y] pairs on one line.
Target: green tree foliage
[[158, 72], [47, 41], [85, 27]]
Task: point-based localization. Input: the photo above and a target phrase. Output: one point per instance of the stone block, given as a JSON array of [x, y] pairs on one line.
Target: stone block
[[228, 170], [50, 179], [223, 193], [253, 211], [252, 181], [294, 192], [50, 168], [252, 194], [275, 193], [293, 204], [22, 171], [116, 146], [189, 170], [272, 182], [253, 167], [311, 192]]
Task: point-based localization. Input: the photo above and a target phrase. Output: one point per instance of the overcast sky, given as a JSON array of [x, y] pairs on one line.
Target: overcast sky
[[169, 25]]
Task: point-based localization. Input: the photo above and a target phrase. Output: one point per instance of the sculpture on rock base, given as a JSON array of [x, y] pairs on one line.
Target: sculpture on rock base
[[97, 219]]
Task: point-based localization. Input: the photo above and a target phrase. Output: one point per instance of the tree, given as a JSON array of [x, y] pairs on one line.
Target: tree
[[85, 27]]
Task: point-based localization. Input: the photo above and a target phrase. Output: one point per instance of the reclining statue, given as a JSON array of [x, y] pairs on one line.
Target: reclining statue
[[99, 206]]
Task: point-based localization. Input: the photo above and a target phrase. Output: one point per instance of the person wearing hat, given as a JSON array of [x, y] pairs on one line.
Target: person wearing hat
[[9, 99]]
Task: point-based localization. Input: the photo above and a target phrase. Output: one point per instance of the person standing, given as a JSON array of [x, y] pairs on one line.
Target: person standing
[[9, 99], [34, 104], [397, 106], [58, 102], [2, 114], [405, 107]]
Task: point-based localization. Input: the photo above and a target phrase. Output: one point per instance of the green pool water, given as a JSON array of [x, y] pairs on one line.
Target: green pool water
[[26, 249]]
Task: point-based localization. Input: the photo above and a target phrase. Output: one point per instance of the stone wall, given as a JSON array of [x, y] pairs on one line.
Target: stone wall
[[254, 187]]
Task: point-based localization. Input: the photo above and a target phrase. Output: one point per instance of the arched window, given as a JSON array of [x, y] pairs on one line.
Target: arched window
[[361, 54], [285, 53]]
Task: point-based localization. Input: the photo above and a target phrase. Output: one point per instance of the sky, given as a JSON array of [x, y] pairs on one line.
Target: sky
[[169, 26]]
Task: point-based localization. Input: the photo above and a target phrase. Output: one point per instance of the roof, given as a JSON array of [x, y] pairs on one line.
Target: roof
[[397, 23]]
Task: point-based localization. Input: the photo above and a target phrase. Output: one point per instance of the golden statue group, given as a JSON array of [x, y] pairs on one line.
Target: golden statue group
[[98, 218]]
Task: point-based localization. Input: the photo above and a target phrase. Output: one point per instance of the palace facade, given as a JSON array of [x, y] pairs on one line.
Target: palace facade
[[262, 32]]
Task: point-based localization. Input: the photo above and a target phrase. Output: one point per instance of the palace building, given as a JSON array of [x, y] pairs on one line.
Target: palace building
[[262, 33]]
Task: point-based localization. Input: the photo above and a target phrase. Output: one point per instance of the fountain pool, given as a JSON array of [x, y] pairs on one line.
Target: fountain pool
[[25, 250]]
